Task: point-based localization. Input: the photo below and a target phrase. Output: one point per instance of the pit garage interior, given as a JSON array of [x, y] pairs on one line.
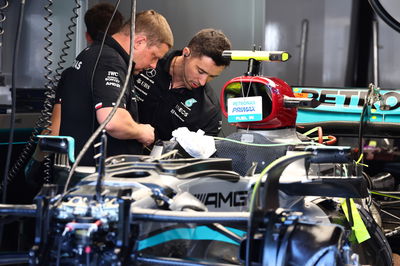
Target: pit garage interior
[[345, 88]]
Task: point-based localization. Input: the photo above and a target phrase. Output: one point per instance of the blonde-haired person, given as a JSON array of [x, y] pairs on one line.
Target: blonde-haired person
[[84, 107]]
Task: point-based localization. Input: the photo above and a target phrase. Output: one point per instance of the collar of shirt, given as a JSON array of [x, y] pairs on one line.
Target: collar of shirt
[[110, 41]]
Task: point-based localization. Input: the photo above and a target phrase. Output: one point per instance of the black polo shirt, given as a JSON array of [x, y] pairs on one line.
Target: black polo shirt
[[167, 109], [80, 100]]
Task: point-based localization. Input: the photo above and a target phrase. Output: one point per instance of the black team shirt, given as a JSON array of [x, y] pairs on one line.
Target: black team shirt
[[167, 109], [79, 101]]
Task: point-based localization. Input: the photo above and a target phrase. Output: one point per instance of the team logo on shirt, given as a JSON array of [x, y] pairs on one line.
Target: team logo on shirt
[[190, 102], [112, 79], [77, 64], [151, 72]]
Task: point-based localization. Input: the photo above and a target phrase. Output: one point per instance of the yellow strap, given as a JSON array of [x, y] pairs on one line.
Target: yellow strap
[[359, 161], [359, 228], [310, 131]]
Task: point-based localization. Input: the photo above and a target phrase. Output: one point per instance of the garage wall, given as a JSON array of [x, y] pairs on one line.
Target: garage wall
[[326, 47], [389, 43]]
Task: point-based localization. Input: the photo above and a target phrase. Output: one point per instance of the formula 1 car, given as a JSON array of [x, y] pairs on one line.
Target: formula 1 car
[[143, 212], [267, 197]]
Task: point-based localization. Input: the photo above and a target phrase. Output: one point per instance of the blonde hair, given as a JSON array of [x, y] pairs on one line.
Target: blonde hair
[[154, 26]]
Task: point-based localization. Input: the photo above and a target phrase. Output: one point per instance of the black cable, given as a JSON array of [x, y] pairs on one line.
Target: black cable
[[368, 179], [384, 15], [361, 128], [13, 102], [13, 109]]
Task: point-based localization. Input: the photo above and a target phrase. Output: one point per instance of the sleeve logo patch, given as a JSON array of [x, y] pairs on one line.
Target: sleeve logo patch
[[98, 106], [112, 79]]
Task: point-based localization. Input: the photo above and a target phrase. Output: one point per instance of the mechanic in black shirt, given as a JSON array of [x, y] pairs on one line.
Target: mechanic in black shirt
[[177, 94], [96, 20], [86, 105]]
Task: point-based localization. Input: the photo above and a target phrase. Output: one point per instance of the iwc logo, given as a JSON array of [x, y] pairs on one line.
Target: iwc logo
[[151, 72], [190, 102]]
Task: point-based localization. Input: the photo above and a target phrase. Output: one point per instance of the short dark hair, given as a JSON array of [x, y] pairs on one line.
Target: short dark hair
[[153, 25], [211, 43], [98, 17]]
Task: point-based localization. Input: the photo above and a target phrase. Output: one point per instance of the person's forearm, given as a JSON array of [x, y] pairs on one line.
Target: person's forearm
[[123, 129], [121, 125]]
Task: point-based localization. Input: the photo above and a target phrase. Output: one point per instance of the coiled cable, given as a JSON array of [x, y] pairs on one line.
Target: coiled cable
[[47, 58], [3, 16], [68, 40], [49, 88], [45, 115], [52, 83]]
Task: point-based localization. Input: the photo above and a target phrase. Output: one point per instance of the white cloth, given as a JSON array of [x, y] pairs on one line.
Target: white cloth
[[196, 144]]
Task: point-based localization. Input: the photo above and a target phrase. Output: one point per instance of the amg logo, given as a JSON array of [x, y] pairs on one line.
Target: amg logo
[[233, 199]]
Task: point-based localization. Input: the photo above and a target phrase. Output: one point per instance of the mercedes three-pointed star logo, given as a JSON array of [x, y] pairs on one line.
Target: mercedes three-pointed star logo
[[151, 72]]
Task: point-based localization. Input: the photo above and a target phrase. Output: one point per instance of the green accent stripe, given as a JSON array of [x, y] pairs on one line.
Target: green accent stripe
[[197, 233]]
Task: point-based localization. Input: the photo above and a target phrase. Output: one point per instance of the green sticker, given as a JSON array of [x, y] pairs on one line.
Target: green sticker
[[359, 228]]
